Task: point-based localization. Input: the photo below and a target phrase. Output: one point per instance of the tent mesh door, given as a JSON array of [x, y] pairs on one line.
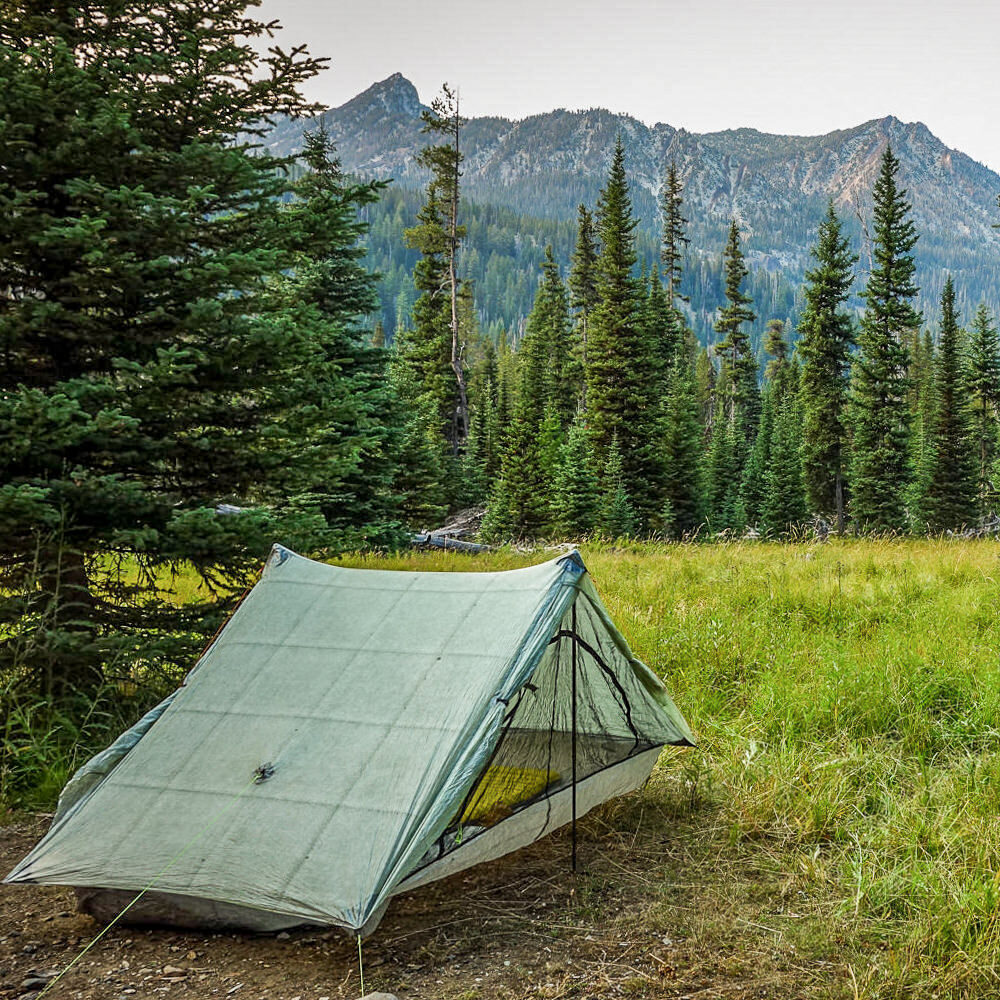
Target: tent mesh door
[[539, 744]]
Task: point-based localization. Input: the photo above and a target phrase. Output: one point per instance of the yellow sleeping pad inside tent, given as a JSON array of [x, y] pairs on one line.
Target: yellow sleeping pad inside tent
[[501, 789]]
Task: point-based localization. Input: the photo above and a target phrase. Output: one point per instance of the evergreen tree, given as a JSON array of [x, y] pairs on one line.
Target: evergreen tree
[[424, 348], [950, 497], [583, 284], [705, 378], [742, 408], [435, 347], [562, 379], [984, 392], [825, 344], [881, 467], [784, 507], [551, 437], [155, 363], [355, 445], [519, 501], [722, 480], [921, 402], [662, 335], [576, 494], [621, 369], [675, 238], [780, 390], [754, 485], [684, 495], [616, 517]]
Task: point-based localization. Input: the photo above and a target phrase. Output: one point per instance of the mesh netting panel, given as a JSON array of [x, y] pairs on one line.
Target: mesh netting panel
[[558, 728]]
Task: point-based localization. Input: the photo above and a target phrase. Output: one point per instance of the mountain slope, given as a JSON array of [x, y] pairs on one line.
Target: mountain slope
[[776, 186]]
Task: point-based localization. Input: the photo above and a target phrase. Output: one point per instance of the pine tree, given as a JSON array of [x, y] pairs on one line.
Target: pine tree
[[722, 480], [753, 487], [921, 401], [576, 494], [616, 517], [826, 340], [662, 334], [881, 467], [583, 285], [950, 497], [519, 501], [684, 494], [424, 348], [621, 369], [562, 381], [984, 392], [784, 507], [674, 236], [155, 363], [354, 457], [742, 408], [434, 348]]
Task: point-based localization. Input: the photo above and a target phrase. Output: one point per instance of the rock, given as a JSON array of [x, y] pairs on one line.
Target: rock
[[283, 936], [379, 996], [34, 983]]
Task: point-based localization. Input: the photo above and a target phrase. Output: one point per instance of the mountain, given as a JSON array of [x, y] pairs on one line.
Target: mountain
[[542, 167]]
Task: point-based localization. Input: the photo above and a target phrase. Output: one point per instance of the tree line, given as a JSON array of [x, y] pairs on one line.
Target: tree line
[[609, 417]]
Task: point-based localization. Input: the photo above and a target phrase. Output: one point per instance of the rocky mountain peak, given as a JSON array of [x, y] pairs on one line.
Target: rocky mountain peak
[[394, 95]]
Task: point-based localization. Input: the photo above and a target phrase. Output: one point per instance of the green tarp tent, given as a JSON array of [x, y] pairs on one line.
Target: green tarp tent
[[352, 734]]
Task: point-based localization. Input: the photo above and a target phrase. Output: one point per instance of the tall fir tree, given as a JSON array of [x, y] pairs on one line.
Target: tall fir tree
[[583, 286], [179, 331], [356, 446], [881, 467], [435, 347], [616, 515], [950, 497], [742, 407], [722, 480], [825, 345], [563, 374], [920, 396], [621, 367], [784, 508], [683, 510], [576, 493], [984, 393], [674, 240]]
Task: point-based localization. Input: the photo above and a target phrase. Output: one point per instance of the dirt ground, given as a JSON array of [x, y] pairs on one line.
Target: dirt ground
[[525, 926]]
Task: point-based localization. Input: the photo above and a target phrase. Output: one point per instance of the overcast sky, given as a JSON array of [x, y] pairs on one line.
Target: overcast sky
[[789, 66]]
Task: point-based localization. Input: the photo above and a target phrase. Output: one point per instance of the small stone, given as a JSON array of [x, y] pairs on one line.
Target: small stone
[[283, 936], [173, 970], [33, 983]]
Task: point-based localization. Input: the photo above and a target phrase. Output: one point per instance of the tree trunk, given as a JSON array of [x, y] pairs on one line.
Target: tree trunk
[[462, 413]]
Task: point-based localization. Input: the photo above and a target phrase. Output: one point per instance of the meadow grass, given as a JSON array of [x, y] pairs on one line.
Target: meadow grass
[[846, 699], [843, 803]]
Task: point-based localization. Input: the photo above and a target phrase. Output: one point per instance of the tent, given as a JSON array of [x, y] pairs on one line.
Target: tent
[[352, 734]]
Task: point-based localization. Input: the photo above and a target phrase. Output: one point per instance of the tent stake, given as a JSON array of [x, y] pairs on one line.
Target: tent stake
[[573, 751]]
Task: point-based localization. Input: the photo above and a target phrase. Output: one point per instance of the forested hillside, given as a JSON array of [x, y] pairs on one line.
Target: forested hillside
[[523, 181]]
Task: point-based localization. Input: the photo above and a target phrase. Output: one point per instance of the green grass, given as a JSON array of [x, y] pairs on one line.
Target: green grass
[[846, 698]]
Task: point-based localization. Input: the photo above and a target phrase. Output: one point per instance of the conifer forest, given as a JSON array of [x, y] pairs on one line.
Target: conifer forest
[[208, 346]]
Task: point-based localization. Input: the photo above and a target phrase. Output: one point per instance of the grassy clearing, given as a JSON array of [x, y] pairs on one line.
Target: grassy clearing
[[845, 796], [837, 831]]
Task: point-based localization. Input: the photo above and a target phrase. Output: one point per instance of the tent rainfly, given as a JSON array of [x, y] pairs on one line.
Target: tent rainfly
[[353, 734]]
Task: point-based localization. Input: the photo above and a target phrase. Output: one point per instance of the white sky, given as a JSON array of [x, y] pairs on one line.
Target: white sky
[[788, 66]]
